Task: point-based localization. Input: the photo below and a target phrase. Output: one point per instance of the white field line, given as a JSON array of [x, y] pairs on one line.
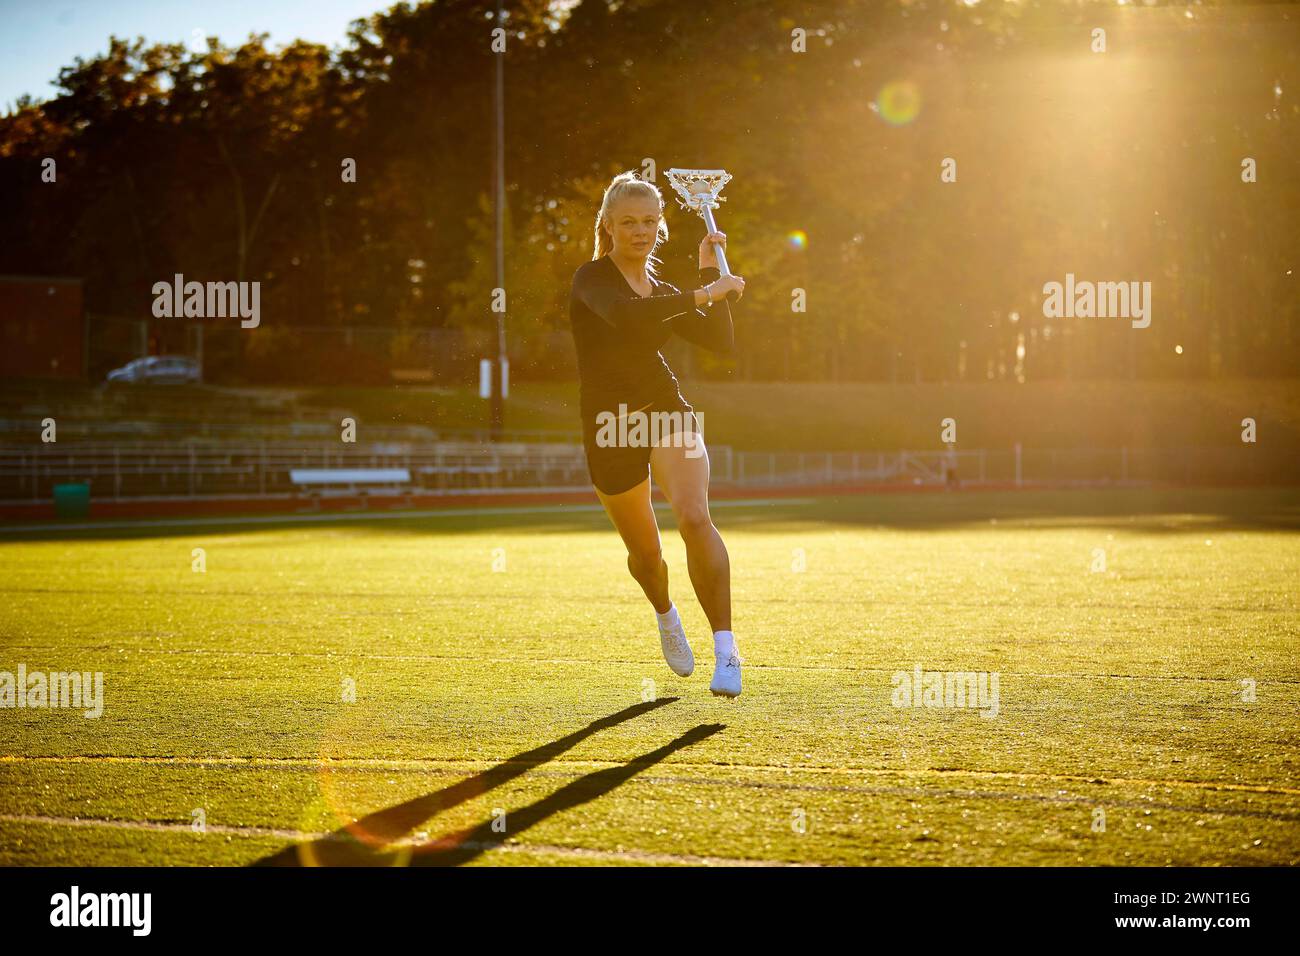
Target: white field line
[[302, 836], [220, 521], [468, 766]]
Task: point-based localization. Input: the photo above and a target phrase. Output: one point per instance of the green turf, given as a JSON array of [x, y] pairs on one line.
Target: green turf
[[522, 690]]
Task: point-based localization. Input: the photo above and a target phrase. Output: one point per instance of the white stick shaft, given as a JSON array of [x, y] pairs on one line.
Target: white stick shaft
[[713, 227]]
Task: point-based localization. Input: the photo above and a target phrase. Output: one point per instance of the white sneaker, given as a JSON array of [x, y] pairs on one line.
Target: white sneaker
[[677, 650], [726, 677]]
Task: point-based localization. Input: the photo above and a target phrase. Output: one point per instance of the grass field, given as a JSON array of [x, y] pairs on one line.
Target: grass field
[[522, 689]]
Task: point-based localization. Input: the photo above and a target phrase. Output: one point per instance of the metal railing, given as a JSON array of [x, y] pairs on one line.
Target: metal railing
[[1014, 466], [157, 469], [193, 468]]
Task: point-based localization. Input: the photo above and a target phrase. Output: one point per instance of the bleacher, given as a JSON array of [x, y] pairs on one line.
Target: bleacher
[[133, 442], [132, 469]]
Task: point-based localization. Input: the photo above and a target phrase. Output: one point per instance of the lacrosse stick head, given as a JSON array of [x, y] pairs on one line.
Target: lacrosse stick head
[[698, 189]]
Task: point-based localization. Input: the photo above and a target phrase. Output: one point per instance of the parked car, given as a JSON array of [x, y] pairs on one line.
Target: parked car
[[158, 370]]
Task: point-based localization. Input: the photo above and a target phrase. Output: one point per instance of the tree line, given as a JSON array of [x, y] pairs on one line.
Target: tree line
[[908, 177]]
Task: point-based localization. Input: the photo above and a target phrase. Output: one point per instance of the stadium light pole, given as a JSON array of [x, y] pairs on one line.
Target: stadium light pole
[[499, 366]]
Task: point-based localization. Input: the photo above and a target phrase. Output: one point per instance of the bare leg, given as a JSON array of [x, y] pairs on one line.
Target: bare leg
[[634, 518], [683, 475]]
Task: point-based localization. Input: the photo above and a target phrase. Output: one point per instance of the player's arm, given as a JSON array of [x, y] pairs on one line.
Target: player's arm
[[710, 327], [625, 311]]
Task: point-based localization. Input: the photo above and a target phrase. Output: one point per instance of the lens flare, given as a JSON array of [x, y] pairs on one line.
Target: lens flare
[[797, 240], [363, 831], [898, 102], [336, 845]]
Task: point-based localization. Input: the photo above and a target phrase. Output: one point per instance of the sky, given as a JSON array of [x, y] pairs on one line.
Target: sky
[[37, 37]]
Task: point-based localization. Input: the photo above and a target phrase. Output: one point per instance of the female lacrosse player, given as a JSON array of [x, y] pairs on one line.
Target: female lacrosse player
[[622, 315]]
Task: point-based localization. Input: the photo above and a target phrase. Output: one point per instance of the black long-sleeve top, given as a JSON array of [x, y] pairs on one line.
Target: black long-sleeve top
[[618, 334]]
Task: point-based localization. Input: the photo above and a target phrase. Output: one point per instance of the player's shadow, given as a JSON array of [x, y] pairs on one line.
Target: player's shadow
[[377, 839]]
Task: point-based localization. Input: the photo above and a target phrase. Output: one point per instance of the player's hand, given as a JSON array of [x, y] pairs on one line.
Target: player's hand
[[709, 255], [724, 284]]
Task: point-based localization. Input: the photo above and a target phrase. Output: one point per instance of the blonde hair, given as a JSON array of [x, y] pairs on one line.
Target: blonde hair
[[627, 185]]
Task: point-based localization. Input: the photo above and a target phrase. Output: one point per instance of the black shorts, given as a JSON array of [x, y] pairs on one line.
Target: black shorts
[[616, 468]]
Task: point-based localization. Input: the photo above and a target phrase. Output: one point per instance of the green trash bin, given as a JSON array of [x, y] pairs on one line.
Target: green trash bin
[[72, 501]]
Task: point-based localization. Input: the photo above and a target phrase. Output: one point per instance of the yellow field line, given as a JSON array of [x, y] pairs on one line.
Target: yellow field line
[[383, 763], [641, 856]]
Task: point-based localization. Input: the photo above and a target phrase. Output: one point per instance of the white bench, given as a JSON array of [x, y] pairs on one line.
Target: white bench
[[363, 482]]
